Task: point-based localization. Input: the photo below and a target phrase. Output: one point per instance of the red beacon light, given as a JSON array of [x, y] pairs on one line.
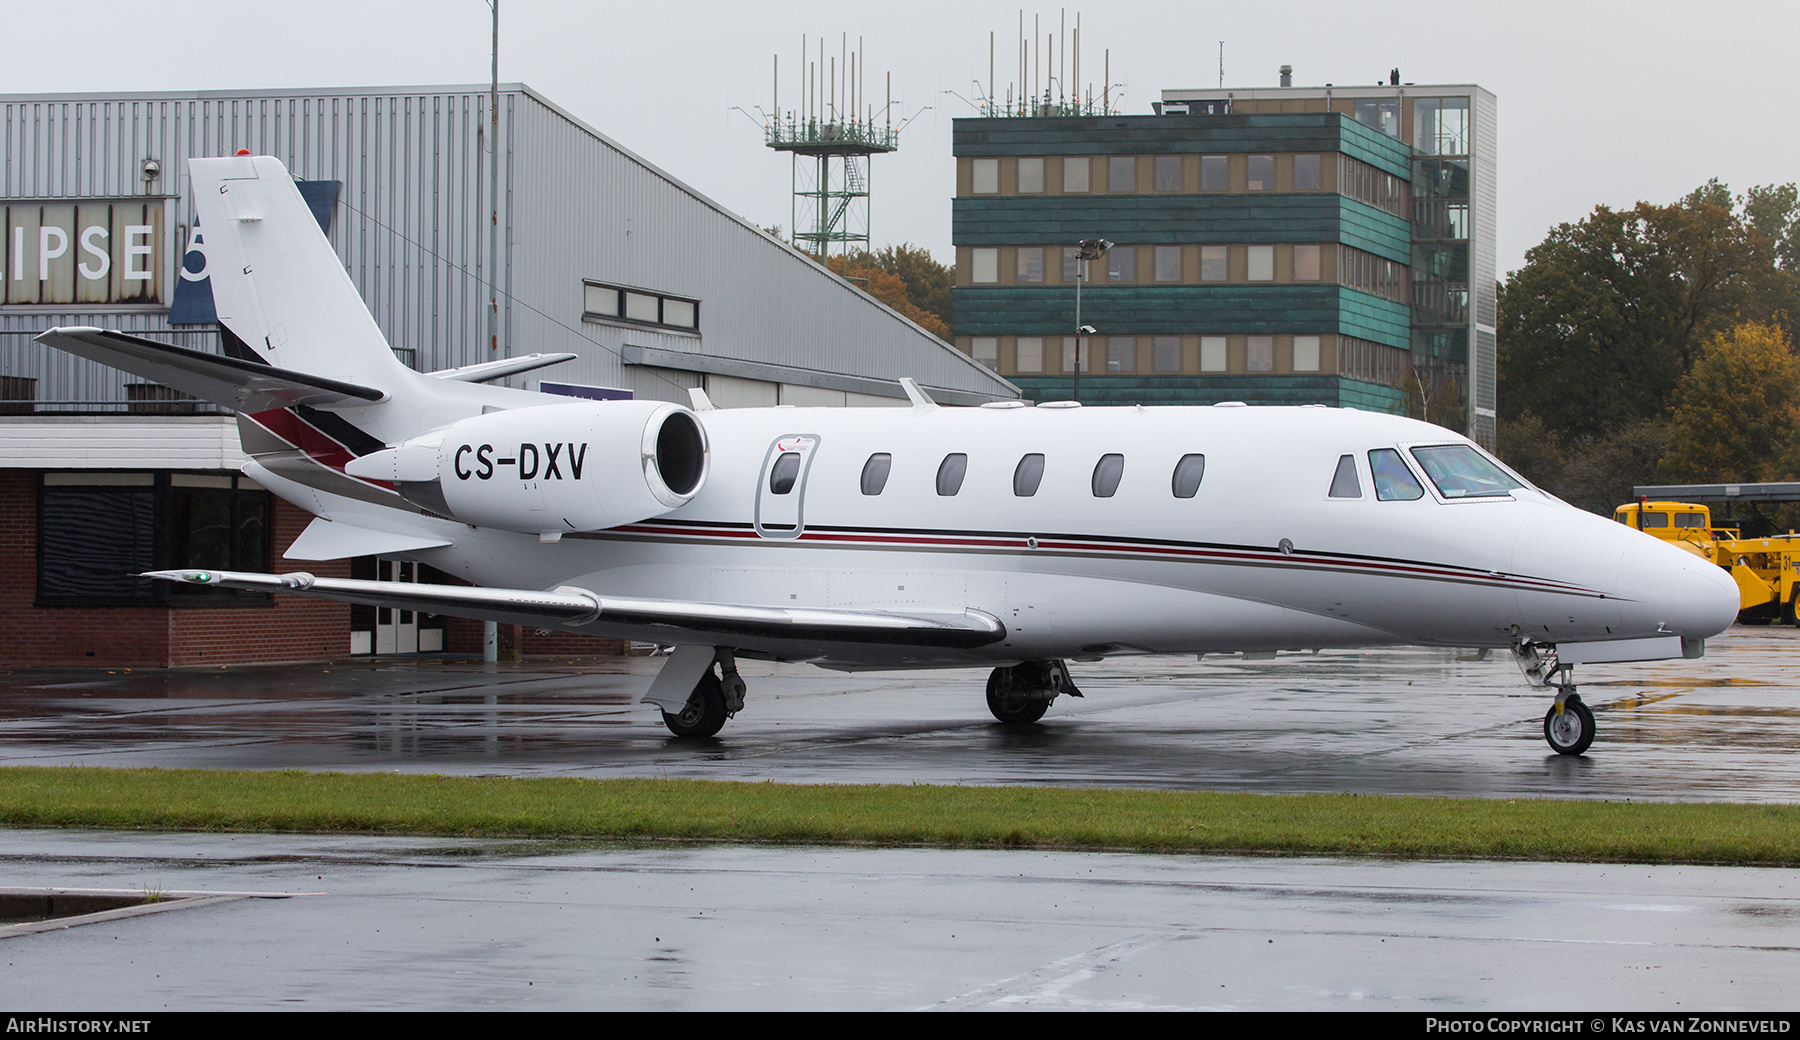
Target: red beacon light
[[243, 151]]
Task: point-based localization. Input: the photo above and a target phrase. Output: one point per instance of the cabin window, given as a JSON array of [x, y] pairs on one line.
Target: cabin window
[[1690, 519], [1186, 482], [1656, 519], [1460, 471], [951, 472], [1344, 483], [784, 472], [1393, 481], [1028, 475], [1107, 473], [875, 473]]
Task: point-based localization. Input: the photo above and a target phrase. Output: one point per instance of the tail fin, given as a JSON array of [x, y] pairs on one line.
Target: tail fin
[[277, 284]]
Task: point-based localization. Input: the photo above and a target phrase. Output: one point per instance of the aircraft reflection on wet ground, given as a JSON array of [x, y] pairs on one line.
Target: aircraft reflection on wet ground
[[1404, 721]]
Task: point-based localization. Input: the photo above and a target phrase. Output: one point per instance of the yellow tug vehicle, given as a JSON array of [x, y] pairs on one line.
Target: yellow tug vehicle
[[1766, 569]]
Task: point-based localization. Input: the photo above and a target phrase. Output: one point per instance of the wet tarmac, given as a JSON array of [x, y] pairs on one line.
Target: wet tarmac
[[1726, 727], [436, 924], [439, 925]]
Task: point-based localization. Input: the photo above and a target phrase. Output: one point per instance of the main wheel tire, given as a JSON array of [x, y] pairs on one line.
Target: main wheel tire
[[1571, 732], [704, 713], [1011, 700], [1790, 614]]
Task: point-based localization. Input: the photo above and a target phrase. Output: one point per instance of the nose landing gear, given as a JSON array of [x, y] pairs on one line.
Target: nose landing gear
[[1569, 724]]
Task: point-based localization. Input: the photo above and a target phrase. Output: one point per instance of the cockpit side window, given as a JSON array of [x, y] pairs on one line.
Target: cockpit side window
[[875, 473], [951, 472], [1393, 481], [1344, 483], [783, 473], [1459, 471]]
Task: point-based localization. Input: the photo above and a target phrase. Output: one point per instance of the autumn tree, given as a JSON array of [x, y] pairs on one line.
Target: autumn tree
[[906, 278], [1737, 413], [1608, 314]]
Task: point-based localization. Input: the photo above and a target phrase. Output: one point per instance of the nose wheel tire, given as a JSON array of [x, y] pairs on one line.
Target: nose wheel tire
[[704, 713], [1571, 732]]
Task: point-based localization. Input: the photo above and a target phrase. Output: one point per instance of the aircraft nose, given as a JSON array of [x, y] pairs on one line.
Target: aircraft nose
[[1685, 594]]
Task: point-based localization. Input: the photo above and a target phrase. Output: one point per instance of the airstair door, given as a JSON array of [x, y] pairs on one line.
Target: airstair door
[[781, 488]]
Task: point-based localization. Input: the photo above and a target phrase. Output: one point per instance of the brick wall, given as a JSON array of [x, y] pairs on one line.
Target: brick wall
[[290, 628]]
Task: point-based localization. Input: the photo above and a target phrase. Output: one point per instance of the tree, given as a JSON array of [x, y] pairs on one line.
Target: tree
[[1608, 314], [1738, 411], [906, 278]]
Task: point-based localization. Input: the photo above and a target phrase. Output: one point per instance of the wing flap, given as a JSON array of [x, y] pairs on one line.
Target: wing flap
[[662, 620], [246, 386]]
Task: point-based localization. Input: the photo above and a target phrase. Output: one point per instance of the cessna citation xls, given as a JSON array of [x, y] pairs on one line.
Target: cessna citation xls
[[1005, 535]]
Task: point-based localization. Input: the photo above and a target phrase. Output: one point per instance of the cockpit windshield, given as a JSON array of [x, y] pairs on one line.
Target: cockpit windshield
[[1460, 471]]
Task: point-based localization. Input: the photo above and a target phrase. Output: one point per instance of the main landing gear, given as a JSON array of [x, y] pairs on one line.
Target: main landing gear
[[713, 696], [1019, 695], [1569, 724]]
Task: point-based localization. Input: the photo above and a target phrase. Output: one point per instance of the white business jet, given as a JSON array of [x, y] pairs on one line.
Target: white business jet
[[1008, 536]]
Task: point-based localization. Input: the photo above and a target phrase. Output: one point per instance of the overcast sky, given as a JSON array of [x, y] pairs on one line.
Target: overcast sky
[[1600, 102]]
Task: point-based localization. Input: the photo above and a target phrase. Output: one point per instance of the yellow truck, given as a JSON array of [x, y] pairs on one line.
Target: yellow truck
[[1766, 569]]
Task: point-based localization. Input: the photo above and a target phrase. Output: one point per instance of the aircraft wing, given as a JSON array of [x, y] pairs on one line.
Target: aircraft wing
[[247, 386], [659, 620]]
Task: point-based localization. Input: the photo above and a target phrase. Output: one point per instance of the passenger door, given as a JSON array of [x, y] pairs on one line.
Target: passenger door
[[781, 487]]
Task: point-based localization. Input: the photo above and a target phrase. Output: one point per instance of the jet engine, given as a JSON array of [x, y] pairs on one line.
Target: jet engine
[[553, 469]]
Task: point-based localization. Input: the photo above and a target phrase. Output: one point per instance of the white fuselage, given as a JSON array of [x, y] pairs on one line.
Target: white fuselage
[[1259, 558]]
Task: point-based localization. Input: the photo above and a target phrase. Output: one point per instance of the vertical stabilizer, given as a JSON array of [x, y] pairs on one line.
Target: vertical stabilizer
[[277, 283]]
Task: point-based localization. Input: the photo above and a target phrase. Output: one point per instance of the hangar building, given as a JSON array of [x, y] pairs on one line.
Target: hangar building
[[599, 253]]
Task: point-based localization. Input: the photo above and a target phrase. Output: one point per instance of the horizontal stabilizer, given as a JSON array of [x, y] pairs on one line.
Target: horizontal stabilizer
[[336, 540], [245, 386], [662, 620], [486, 370]]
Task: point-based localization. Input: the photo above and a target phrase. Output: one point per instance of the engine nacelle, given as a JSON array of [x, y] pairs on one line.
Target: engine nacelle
[[553, 469]]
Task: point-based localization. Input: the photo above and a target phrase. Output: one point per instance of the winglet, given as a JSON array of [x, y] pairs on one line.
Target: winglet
[[918, 397], [702, 403]]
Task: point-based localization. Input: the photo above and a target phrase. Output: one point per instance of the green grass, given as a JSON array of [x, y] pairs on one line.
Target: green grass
[[944, 817]]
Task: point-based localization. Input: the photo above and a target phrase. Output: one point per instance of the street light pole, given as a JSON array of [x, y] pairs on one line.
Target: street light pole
[[1088, 249]]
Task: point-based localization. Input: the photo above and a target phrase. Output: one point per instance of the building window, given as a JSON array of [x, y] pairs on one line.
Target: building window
[[984, 176], [1075, 174], [1215, 173], [984, 266], [1214, 264], [1028, 355], [98, 531], [1306, 263], [1261, 267], [1306, 173], [638, 306], [1071, 265], [1381, 113], [1441, 126], [1121, 173], [1167, 354], [1262, 173], [1378, 188], [1071, 350], [1031, 176], [1259, 354], [1306, 353], [1168, 263], [1168, 173], [1121, 264], [1375, 362], [1121, 354], [1212, 354], [1031, 264], [986, 350]]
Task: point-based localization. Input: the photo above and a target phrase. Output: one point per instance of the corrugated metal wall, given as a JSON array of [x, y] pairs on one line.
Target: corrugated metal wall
[[410, 226]]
